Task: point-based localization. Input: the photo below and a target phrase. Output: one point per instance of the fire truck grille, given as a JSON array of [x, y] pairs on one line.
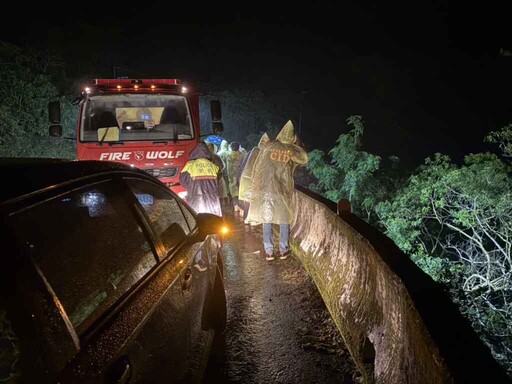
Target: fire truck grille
[[162, 173]]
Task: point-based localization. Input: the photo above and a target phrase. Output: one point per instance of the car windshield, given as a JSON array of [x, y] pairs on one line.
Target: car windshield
[[129, 117]]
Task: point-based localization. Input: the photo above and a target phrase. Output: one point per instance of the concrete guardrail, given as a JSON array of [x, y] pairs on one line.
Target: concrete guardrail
[[398, 324]]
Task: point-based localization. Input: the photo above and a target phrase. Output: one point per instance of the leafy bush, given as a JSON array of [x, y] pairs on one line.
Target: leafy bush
[[353, 174], [456, 223], [24, 98]]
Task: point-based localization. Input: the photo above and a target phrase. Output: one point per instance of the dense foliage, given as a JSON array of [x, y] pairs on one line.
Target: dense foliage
[[247, 113], [24, 97], [353, 174], [455, 221], [30, 80]]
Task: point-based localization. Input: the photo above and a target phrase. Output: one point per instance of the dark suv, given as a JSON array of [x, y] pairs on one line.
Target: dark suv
[[107, 276]]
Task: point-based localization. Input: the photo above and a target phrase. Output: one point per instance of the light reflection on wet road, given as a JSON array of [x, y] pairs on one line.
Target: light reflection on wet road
[[278, 330]]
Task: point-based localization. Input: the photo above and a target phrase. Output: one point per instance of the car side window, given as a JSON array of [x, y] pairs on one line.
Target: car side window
[[89, 247], [163, 210], [191, 220]]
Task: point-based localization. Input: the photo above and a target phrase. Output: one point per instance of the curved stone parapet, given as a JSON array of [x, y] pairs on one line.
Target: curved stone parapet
[[398, 324]]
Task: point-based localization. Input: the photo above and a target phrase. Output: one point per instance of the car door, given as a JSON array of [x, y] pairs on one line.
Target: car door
[[119, 302], [169, 217]]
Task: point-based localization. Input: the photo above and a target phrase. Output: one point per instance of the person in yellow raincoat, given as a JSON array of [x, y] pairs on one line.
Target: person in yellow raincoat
[[222, 168], [199, 177], [233, 161], [272, 189], [245, 179], [223, 153]]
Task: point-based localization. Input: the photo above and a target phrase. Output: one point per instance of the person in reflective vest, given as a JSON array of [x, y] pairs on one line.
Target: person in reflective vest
[[200, 177]]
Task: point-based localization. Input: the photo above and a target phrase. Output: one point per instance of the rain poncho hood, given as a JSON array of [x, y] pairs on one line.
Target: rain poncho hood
[[199, 177], [224, 147], [272, 179], [215, 159], [247, 167], [200, 151], [286, 135], [263, 140]]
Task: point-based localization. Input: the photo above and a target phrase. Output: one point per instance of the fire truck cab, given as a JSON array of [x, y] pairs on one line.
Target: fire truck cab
[[151, 124]]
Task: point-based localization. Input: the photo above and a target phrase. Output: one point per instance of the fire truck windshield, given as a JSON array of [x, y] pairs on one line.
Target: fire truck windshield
[[135, 117]]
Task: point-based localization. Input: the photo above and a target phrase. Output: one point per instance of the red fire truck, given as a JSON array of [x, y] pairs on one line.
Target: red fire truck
[[152, 124]]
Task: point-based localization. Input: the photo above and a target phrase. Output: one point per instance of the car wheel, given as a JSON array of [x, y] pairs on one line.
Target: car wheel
[[216, 307]]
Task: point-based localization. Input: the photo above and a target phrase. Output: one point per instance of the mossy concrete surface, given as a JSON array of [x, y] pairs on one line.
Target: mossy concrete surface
[[369, 303]]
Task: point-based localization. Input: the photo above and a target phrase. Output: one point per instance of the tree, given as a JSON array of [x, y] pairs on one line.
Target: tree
[[24, 98], [503, 138], [456, 223], [40, 61], [352, 173]]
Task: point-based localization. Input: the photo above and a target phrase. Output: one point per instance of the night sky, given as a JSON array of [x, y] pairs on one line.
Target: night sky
[[426, 76]]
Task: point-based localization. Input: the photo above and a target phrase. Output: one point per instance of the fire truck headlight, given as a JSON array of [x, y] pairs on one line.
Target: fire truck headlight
[[182, 194], [184, 89], [87, 90]]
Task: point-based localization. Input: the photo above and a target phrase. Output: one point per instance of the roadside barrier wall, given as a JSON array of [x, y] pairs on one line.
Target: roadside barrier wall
[[398, 324]]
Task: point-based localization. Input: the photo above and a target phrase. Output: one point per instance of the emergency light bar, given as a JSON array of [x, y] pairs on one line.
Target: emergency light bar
[[136, 85], [137, 81]]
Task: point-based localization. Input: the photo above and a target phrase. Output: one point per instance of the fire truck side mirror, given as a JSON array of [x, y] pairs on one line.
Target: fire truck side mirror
[[54, 112], [218, 128], [55, 130], [215, 110]]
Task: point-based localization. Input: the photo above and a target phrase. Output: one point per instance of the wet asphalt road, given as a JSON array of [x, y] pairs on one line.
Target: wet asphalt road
[[278, 330]]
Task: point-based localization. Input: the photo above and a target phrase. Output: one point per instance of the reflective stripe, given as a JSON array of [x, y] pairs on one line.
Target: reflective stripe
[[201, 168]]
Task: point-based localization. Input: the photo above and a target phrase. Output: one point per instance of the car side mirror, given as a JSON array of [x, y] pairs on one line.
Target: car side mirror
[[55, 130], [54, 112], [209, 224], [215, 110]]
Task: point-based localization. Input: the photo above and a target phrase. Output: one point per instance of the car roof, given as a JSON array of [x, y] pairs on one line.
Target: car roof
[[22, 176]]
